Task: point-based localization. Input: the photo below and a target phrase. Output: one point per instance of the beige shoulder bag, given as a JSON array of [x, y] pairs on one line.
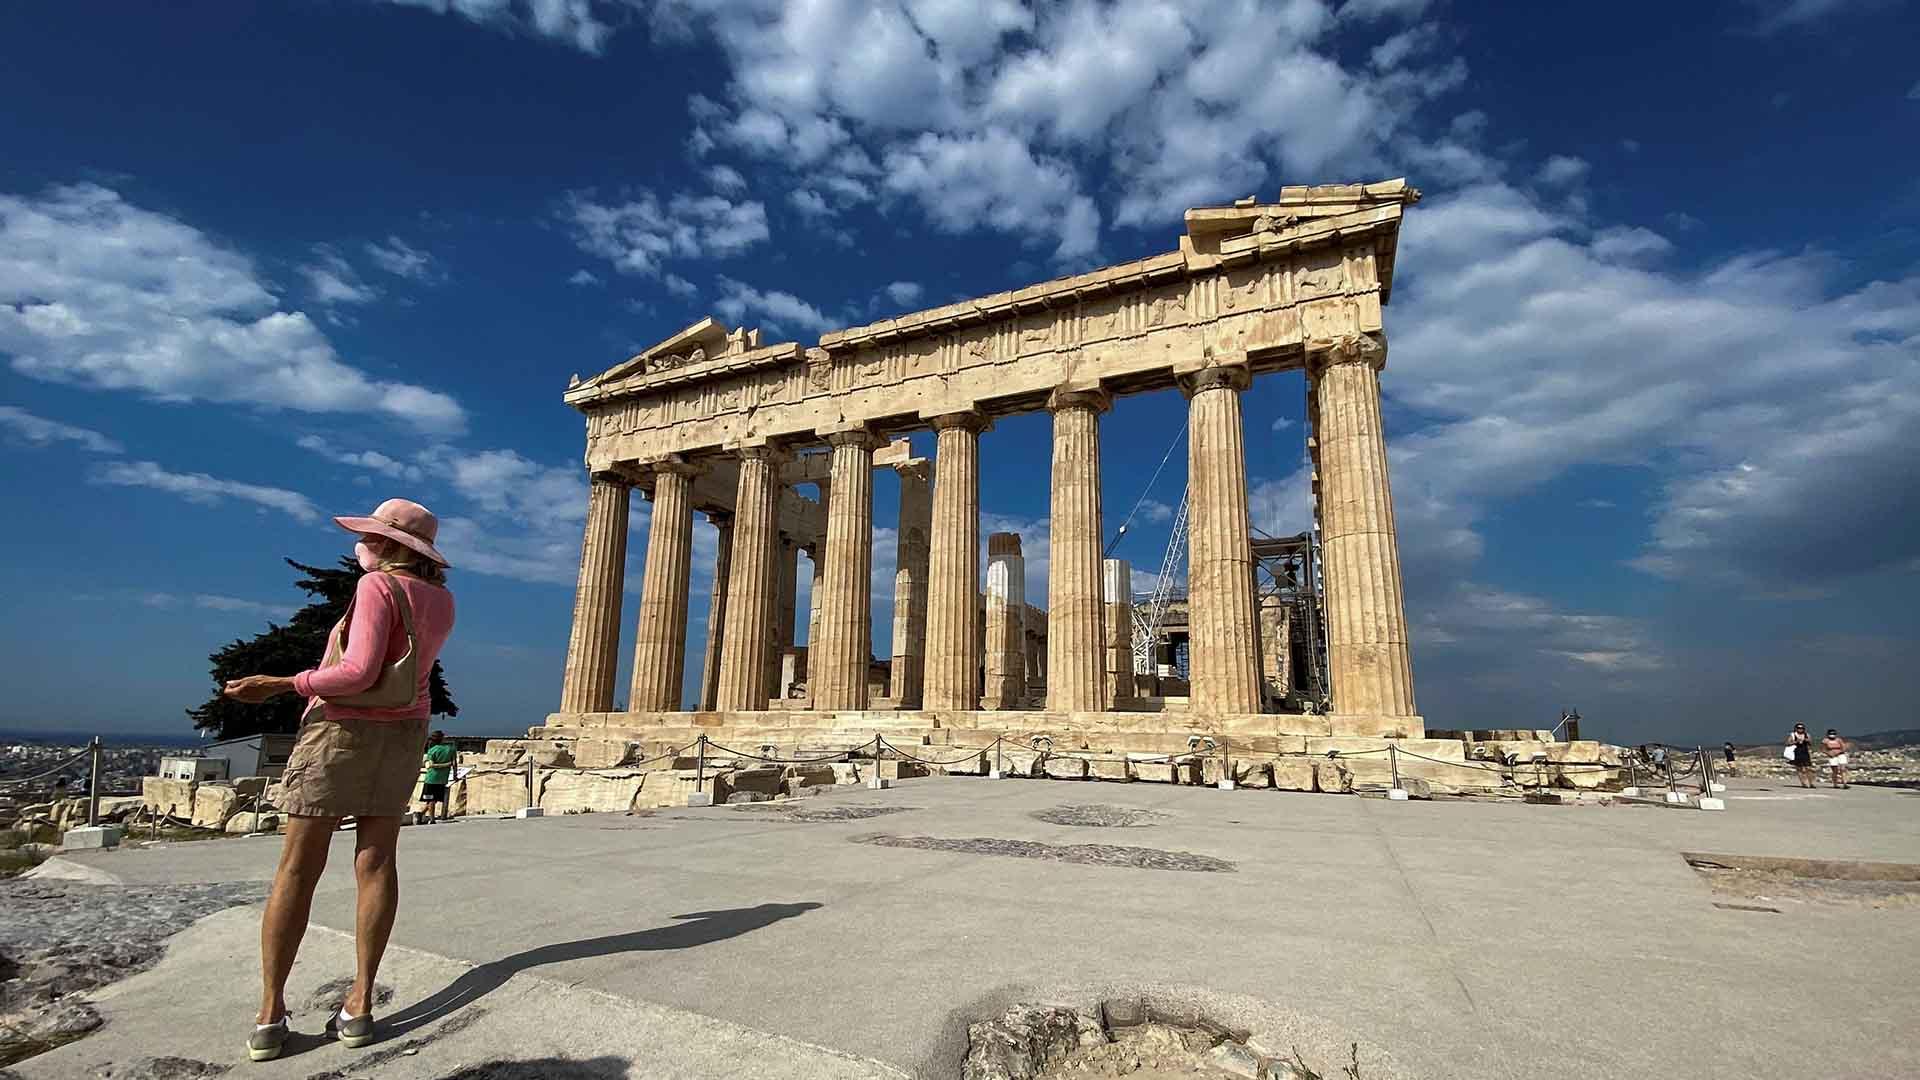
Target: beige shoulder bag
[[398, 686]]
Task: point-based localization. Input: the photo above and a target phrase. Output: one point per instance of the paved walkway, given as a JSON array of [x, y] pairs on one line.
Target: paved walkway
[[1465, 939]]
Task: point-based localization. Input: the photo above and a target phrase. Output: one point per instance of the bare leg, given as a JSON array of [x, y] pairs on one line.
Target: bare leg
[[303, 857], [378, 879]]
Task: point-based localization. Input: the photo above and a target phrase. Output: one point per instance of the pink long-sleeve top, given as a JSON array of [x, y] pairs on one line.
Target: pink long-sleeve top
[[376, 638]]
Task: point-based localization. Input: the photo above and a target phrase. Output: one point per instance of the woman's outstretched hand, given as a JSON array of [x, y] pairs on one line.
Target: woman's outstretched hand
[[257, 688]]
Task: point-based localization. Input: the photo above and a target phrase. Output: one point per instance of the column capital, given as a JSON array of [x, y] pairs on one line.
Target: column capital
[[610, 478], [965, 420], [861, 436], [767, 452], [1369, 349], [1072, 397], [1230, 376]]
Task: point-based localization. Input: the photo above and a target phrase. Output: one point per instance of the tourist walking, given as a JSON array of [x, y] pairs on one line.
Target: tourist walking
[[357, 755], [438, 760], [1835, 748], [1800, 752], [1728, 750]]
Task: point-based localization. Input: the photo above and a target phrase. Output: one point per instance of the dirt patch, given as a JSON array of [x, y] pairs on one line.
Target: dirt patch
[[1123, 1037], [1135, 858], [1772, 879], [1101, 816]]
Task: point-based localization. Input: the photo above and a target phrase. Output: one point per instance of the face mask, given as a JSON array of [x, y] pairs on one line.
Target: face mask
[[368, 561]]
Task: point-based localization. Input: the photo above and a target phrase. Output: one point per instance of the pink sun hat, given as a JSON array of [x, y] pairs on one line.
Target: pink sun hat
[[403, 521]]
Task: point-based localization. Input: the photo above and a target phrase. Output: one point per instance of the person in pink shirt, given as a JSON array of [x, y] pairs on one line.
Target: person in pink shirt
[[357, 755]]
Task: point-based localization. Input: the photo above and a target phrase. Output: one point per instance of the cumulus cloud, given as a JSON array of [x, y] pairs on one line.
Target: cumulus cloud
[[640, 234], [524, 519], [1561, 170], [39, 431], [202, 488], [904, 293], [583, 277], [577, 23], [97, 292], [774, 310]]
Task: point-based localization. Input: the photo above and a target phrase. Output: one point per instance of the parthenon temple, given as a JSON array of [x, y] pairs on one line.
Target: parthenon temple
[[777, 446]]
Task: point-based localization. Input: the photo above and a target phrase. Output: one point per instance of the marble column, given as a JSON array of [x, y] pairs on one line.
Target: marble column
[[1076, 615], [593, 647], [1006, 662], [783, 612], [953, 565], [910, 586], [1116, 581], [1367, 654], [817, 587], [837, 668], [660, 638], [717, 609], [751, 583], [1223, 647], [1276, 648]]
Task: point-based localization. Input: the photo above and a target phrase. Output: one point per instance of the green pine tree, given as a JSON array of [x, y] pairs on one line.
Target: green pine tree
[[289, 650]]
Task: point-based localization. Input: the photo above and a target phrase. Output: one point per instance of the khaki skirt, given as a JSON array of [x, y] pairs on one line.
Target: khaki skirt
[[352, 767]]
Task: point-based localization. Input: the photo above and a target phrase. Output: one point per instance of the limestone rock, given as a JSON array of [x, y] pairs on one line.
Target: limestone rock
[[575, 791], [1293, 773], [252, 821], [213, 804], [818, 774], [970, 765], [603, 753], [1065, 768], [163, 796], [1235, 1059], [1026, 1040], [1332, 776], [553, 755], [1109, 768], [1153, 770], [495, 792]]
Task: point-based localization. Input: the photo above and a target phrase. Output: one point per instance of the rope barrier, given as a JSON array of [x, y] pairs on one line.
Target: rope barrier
[[838, 756], [925, 761]]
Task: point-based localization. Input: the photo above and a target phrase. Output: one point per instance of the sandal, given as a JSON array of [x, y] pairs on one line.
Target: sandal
[[268, 1040]]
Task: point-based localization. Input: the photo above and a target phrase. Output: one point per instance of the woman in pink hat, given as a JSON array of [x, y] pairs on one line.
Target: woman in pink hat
[[357, 755]]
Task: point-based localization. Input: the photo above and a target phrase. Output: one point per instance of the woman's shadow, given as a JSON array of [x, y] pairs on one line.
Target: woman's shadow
[[700, 928]]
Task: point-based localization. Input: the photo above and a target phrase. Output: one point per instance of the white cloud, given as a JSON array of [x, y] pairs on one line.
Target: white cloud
[[39, 431], [1913, 94], [571, 22], [583, 277], [370, 460], [1282, 423], [202, 488], [401, 259], [994, 179], [1779, 15], [97, 292], [810, 204], [1561, 170], [333, 280], [680, 287], [526, 517], [639, 235], [1623, 243], [211, 602], [904, 293], [1383, 9], [726, 180], [776, 311]]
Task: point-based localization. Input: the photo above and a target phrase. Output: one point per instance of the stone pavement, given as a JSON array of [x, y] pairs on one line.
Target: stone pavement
[[1463, 939]]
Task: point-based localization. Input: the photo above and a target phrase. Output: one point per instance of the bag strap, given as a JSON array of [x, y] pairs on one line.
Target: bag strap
[[399, 596]]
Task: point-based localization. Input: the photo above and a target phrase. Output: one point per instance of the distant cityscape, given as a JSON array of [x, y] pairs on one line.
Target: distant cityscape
[[57, 764]]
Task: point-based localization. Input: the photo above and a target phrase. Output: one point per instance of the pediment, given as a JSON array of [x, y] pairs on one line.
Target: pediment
[[700, 343]]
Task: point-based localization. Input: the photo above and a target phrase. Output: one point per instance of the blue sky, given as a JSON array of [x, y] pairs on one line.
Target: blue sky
[[1653, 389]]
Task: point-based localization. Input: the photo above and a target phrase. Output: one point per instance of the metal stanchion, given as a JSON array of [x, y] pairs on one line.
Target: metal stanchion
[[1396, 792], [532, 809], [999, 764], [1708, 799], [1632, 789], [93, 782], [876, 781]]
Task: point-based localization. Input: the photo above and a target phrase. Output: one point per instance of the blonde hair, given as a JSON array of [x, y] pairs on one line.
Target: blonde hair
[[406, 560]]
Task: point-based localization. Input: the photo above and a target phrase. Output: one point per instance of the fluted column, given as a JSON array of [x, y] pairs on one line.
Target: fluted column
[[660, 638], [717, 609], [1116, 578], [751, 582], [783, 611], [817, 586], [1276, 647], [593, 647], [837, 670], [1367, 654], [953, 565], [1076, 615], [1224, 637], [910, 585], [1006, 662]]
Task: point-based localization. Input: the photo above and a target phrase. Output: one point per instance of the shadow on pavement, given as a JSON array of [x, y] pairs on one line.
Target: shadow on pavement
[[700, 928], [600, 1068]]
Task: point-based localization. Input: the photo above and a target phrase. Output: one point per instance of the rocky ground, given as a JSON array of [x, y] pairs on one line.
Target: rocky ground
[[61, 939]]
